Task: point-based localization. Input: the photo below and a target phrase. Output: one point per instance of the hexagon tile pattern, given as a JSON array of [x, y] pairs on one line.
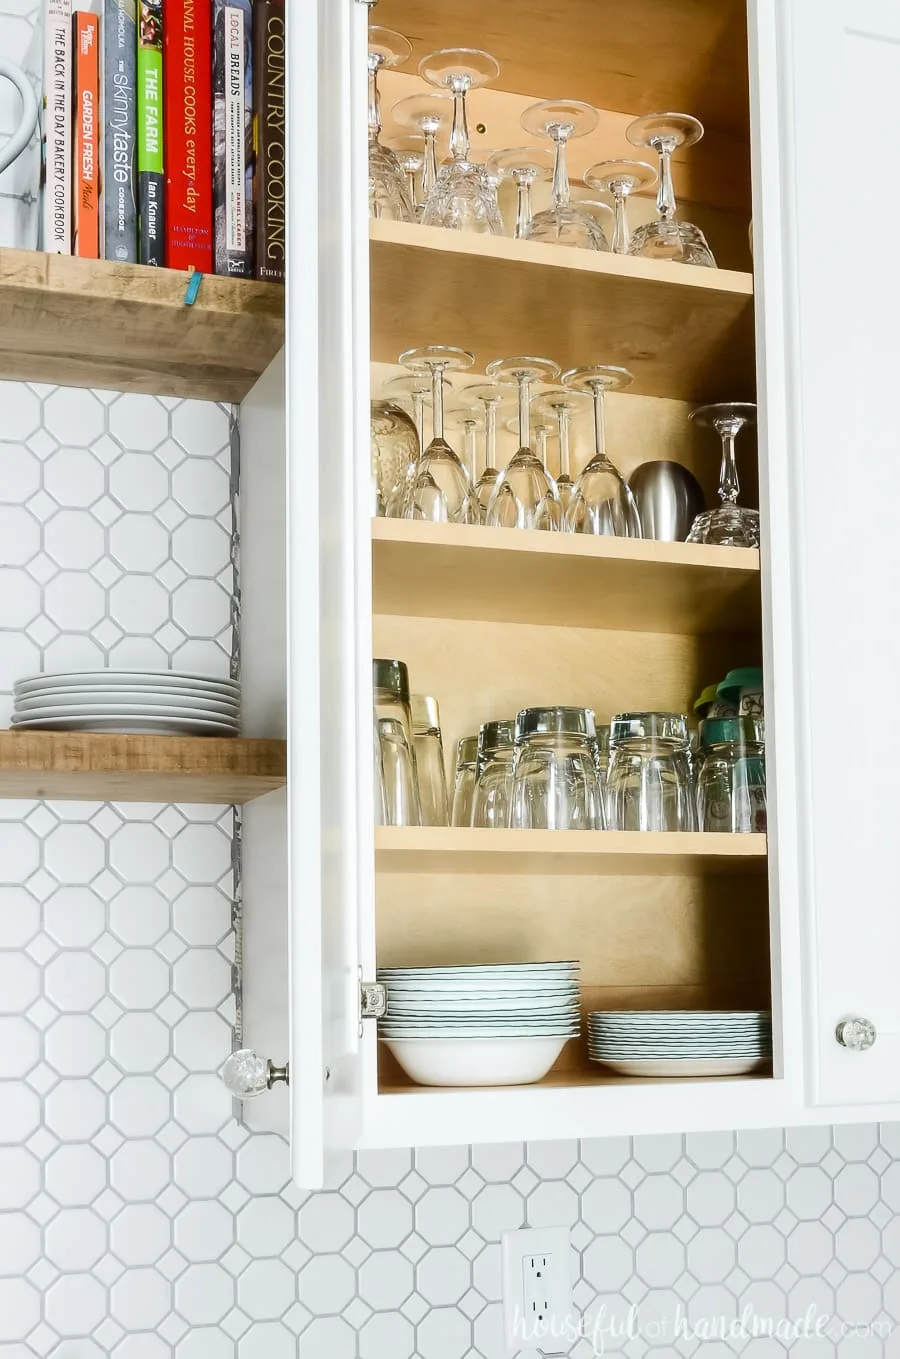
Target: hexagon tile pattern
[[137, 1219]]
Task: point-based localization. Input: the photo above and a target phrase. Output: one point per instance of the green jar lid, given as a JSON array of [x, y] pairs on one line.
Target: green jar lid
[[707, 696], [742, 731], [749, 677]]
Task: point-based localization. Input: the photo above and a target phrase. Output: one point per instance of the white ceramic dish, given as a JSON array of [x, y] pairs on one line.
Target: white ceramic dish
[[424, 1026], [127, 710], [476, 969], [652, 1068], [486, 1004], [163, 698], [477, 1061], [103, 678], [487, 988], [138, 726]]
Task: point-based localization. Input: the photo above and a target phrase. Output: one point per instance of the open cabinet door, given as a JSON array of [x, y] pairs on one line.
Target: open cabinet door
[[306, 614], [839, 71]]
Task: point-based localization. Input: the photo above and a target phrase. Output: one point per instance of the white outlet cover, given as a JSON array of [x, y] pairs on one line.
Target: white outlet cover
[[519, 1330]]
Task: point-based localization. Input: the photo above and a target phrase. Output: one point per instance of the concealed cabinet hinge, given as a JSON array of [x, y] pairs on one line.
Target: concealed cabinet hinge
[[372, 1000]]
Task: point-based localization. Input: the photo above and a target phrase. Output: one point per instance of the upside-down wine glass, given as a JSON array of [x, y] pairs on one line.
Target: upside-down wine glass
[[388, 196], [461, 199], [491, 396], [601, 501], [525, 494], [524, 165], [730, 525], [620, 178], [559, 403], [666, 238], [466, 421], [416, 389], [564, 222], [426, 114], [439, 486], [410, 153]]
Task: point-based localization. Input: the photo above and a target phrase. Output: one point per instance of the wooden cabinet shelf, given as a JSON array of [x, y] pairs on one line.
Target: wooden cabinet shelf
[[684, 332], [95, 323], [112, 768], [506, 576], [412, 849]]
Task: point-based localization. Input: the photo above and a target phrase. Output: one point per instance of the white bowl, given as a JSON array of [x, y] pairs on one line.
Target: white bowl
[[476, 1061]]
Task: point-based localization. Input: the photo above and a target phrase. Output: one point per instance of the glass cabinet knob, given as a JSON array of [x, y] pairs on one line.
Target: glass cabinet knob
[[856, 1034], [248, 1075]]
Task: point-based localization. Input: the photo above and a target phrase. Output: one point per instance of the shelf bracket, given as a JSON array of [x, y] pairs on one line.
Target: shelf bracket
[[372, 1001]]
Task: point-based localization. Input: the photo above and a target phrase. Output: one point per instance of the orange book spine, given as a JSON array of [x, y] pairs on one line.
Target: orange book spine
[[86, 149]]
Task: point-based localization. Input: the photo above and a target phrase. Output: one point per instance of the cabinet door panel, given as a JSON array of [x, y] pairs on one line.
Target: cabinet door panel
[[840, 77]]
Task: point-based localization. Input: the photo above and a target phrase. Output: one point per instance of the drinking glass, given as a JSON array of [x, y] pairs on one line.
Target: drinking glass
[[525, 494], [524, 165], [429, 748], [731, 787], [559, 404], [388, 195], [556, 785], [730, 525], [464, 781], [461, 199], [466, 421], [491, 396], [601, 501], [410, 153], [494, 775], [620, 178], [427, 114], [390, 680], [564, 222], [648, 781], [416, 389], [439, 487], [395, 448], [666, 238]]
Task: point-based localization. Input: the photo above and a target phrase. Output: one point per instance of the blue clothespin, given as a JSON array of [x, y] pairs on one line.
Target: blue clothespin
[[193, 288]]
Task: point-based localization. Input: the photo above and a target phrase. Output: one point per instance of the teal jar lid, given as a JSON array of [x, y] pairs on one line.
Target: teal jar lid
[[741, 731], [749, 677], [707, 696]]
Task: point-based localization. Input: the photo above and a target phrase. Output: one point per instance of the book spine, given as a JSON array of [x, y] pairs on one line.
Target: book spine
[[269, 187], [187, 78], [120, 128], [58, 126], [86, 164], [233, 137], [150, 160]]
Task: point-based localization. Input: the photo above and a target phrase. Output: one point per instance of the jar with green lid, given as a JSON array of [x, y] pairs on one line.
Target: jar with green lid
[[731, 788]]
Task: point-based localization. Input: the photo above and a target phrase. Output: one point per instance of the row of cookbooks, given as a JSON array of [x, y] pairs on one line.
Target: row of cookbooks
[[164, 124]]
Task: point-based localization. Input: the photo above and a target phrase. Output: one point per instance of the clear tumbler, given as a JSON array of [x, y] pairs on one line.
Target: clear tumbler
[[464, 781], [494, 775], [429, 748], [556, 783], [392, 714], [731, 789], [648, 783]]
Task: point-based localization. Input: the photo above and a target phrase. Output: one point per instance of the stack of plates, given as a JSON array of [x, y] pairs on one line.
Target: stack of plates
[[482, 1025], [681, 1042], [157, 702]]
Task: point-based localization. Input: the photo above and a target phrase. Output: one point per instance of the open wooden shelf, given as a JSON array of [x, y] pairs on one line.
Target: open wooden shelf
[[111, 768], [413, 849], [507, 576], [95, 323], [684, 332]]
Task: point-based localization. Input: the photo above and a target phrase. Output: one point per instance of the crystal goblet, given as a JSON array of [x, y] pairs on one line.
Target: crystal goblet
[[388, 195], [602, 502], [666, 238], [410, 153], [461, 199], [491, 397], [620, 178], [429, 115], [524, 165], [730, 525], [525, 494], [564, 222]]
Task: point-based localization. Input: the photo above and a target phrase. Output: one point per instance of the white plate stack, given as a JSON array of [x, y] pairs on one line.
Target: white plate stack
[[144, 702], [681, 1042], [480, 1025]]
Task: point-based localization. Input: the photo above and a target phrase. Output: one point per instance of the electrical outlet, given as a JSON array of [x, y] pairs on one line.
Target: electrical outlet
[[537, 1290]]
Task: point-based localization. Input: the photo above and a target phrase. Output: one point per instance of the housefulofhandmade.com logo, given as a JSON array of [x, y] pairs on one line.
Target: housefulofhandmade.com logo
[[607, 1329]]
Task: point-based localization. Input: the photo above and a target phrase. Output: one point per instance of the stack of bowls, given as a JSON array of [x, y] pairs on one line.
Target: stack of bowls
[[500, 1024], [656, 1043]]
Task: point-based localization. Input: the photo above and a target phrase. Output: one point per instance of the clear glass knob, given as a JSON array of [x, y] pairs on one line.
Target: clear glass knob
[[248, 1075], [856, 1034]]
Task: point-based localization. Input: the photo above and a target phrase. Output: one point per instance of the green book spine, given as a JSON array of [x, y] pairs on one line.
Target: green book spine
[[150, 163]]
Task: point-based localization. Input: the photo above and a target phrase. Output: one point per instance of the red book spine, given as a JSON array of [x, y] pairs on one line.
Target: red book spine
[[86, 145], [187, 86]]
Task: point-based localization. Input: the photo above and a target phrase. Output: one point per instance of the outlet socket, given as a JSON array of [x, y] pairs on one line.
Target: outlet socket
[[537, 1289]]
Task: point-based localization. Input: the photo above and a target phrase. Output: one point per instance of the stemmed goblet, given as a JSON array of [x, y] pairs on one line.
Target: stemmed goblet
[[466, 420], [438, 487], [620, 178], [416, 389], [601, 501], [388, 195], [461, 199], [524, 165], [559, 403], [525, 494], [564, 222], [410, 153], [426, 114], [491, 397], [667, 238], [730, 525]]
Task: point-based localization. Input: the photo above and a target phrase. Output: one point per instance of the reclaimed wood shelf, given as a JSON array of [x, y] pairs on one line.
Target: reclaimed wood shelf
[[684, 332], [92, 766], [125, 327], [451, 849], [568, 580]]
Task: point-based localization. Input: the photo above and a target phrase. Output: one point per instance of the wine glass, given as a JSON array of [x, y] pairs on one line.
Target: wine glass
[[730, 525], [388, 195], [414, 388], [524, 165], [427, 114], [439, 487], [620, 178], [466, 421], [410, 153], [601, 501], [564, 222], [559, 404], [491, 396], [461, 198], [525, 494], [666, 238]]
